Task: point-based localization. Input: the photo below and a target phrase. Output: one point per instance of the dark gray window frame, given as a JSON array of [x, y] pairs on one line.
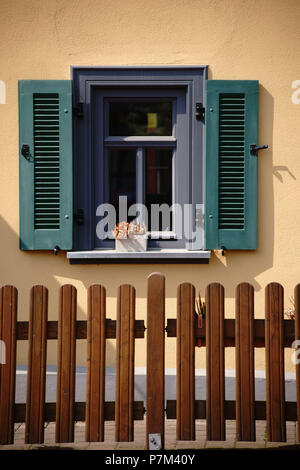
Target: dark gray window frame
[[85, 81]]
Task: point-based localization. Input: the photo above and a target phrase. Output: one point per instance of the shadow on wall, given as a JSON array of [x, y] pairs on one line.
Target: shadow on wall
[[24, 269], [237, 266]]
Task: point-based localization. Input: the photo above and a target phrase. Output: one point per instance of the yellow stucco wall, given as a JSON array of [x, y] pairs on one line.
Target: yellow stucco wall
[[238, 39]]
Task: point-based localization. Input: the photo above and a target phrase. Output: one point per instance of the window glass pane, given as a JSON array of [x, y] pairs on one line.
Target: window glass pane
[[122, 176], [159, 187], [140, 118]]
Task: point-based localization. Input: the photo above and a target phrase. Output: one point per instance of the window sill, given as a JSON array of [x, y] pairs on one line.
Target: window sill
[[151, 256]]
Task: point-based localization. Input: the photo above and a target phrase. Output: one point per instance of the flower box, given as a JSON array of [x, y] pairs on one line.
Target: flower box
[[130, 237], [132, 243]]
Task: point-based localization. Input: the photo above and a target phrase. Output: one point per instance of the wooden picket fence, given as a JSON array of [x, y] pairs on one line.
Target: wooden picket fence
[[244, 333]]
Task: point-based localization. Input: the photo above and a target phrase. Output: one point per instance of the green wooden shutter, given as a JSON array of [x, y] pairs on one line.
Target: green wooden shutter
[[230, 169], [46, 174]]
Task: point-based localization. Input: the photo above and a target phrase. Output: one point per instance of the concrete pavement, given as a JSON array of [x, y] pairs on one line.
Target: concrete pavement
[[170, 438]]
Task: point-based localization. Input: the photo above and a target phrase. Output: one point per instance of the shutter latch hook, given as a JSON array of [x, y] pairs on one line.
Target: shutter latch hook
[[254, 149]]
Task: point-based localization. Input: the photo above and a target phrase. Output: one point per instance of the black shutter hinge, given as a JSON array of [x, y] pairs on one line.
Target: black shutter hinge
[[25, 152], [79, 217], [78, 110], [200, 112]]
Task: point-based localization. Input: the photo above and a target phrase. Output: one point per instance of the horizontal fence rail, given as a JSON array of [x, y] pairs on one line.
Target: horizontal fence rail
[[213, 331]]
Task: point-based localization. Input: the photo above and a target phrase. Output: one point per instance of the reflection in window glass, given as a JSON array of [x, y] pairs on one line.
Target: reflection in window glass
[[122, 177], [159, 185], [140, 118]]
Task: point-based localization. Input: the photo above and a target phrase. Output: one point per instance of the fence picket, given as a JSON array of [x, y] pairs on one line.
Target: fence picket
[[215, 373], [155, 393], [66, 364], [185, 362], [36, 374], [96, 337], [244, 344], [8, 325], [125, 364], [275, 391], [297, 348]]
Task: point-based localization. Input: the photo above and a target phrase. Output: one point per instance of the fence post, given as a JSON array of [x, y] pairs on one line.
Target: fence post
[[36, 374], [215, 380], [66, 364], [8, 327], [275, 392], [125, 364], [185, 413], [244, 349], [155, 389], [297, 348], [96, 337]]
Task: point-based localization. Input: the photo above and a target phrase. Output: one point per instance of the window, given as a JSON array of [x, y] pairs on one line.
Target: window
[[140, 148], [156, 136]]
